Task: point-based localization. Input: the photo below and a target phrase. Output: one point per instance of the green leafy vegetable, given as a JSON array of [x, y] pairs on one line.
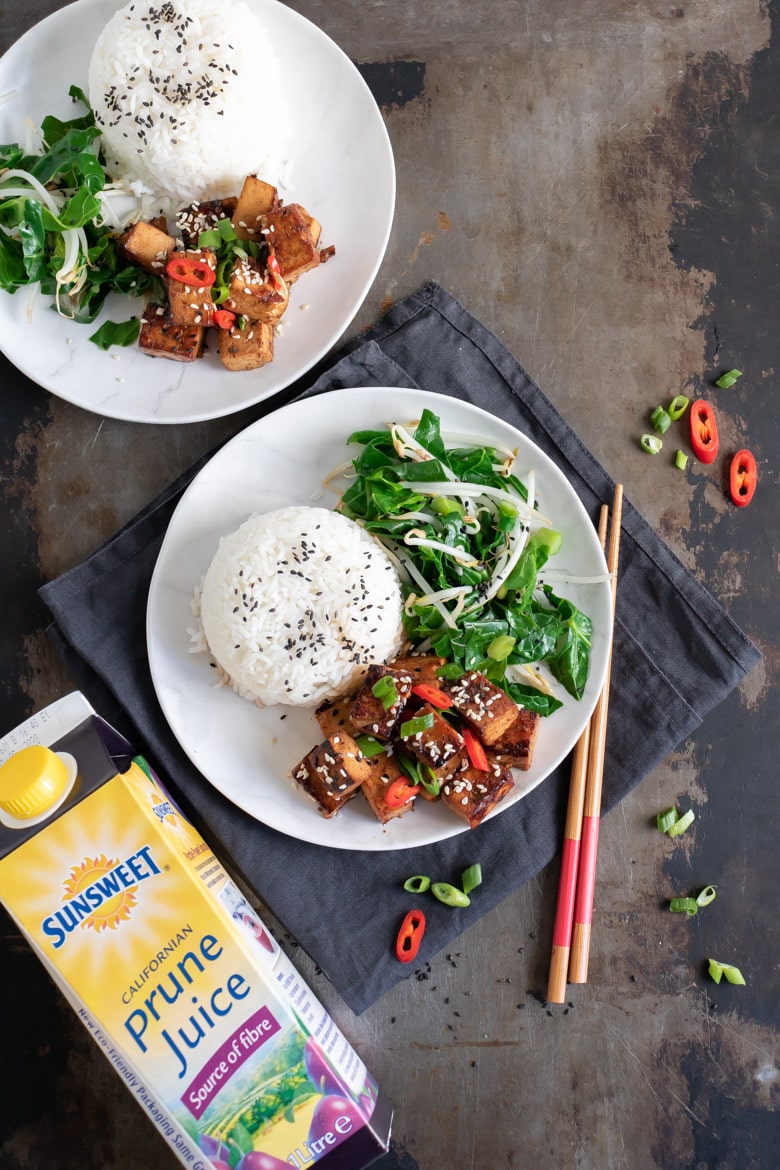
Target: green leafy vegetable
[[117, 333], [470, 549], [53, 233]]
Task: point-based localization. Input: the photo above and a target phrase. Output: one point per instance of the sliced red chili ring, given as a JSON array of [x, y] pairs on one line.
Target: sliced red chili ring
[[476, 751], [224, 318], [275, 272], [743, 477], [433, 695], [401, 792], [704, 431], [409, 937], [191, 271]]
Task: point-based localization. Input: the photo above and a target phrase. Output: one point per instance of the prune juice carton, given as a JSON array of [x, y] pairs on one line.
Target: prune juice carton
[[188, 995]]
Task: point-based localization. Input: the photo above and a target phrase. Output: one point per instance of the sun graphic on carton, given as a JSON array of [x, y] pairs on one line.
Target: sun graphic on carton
[[113, 910]]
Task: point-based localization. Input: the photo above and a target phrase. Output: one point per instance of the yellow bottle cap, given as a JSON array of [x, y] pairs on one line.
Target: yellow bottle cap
[[31, 782]]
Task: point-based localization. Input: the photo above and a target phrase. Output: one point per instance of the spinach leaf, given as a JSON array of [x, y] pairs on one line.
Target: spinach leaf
[[33, 239], [117, 333], [571, 662]]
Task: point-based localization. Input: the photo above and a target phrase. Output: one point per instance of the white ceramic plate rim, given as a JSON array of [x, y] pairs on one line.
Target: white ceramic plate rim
[[247, 753], [342, 170]]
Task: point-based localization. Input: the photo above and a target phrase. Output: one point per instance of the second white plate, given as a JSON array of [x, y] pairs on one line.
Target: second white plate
[[248, 753]]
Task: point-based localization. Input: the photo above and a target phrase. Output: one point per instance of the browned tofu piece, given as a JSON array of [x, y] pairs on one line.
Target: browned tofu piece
[[288, 232], [368, 713], [162, 337], [487, 709], [439, 746], [322, 775], [201, 217], [247, 348], [257, 198], [146, 245], [471, 794], [315, 227], [333, 718], [385, 771], [516, 746], [422, 667], [191, 304], [256, 293]]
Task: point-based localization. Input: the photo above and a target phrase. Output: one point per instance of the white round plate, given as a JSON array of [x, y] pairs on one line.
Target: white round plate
[[341, 170], [248, 753]]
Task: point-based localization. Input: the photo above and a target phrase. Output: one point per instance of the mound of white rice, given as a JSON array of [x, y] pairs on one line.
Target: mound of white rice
[[296, 603], [188, 97]]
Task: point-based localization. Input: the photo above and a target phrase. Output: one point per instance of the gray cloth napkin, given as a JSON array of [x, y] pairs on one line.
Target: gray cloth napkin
[[677, 654]]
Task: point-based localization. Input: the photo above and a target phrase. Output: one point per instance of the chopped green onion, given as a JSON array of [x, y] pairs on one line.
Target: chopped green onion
[[678, 407], [684, 906], [418, 884], [665, 820], [727, 380], [369, 746], [681, 824], [732, 974], [472, 877], [547, 539], [650, 443], [209, 239], [386, 691], [681, 461], [444, 506], [501, 647], [226, 230], [660, 420], [671, 823], [705, 896], [417, 725], [431, 783], [449, 895]]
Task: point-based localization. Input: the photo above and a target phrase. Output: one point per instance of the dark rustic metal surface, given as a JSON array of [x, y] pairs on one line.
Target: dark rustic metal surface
[[599, 183]]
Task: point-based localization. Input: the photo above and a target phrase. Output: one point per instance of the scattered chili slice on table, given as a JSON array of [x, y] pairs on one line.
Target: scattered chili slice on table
[[401, 792], [704, 432], [476, 751], [188, 270], [407, 944], [743, 478]]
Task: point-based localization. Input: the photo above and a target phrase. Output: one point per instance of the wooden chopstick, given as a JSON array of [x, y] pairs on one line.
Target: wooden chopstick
[[572, 833], [586, 871]]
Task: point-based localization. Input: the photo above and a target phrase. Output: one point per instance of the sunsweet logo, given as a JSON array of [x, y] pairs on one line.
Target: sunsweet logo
[[100, 894]]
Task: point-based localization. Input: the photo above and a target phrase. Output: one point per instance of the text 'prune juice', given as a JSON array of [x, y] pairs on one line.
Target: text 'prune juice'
[[191, 999]]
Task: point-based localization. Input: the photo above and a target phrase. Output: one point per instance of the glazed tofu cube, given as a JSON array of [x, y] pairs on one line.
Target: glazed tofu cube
[[516, 746], [487, 709], [314, 225], [247, 348], [201, 217], [438, 746], [471, 794], [191, 304], [289, 234], [256, 293], [162, 337], [385, 772], [333, 718], [146, 245], [368, 712], [321, 775], [255, 201], [422, 667]]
